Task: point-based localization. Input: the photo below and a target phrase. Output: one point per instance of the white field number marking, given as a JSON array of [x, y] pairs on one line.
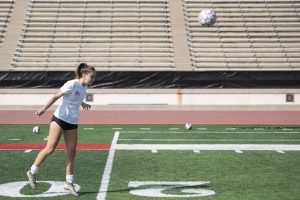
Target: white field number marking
[[156, 189], [13, 189]]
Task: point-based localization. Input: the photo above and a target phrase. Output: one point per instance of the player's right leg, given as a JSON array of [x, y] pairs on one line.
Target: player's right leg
[[55, 133]]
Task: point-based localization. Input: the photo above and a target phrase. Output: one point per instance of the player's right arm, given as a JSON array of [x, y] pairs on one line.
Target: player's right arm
[[50, 102]]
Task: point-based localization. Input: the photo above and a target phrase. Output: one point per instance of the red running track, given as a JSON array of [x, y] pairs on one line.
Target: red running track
[[267, 117]]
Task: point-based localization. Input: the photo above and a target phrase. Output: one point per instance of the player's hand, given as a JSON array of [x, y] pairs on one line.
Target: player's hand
[[86, 106], [40, 112]]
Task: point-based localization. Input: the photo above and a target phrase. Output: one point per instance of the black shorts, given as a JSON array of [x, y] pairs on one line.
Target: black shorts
[[64, 125]]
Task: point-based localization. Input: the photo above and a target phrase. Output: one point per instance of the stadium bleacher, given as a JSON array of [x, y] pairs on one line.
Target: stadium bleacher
[[6, 8], [154, 45], [252, 34], [138, 35], [107, 34]]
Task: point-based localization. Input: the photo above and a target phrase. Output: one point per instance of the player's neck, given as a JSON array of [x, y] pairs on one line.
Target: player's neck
[[81, 81]]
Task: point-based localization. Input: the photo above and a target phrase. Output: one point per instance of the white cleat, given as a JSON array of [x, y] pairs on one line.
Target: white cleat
[[31, 179], [71, 188]]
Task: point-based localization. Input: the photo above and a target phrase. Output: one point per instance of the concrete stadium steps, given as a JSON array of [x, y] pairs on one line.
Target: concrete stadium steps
[[248, 35], [100, 65], [91, 25], [150, 35], [6, 8], [94, 45]]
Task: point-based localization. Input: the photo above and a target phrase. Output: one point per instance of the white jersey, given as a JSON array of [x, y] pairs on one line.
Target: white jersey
[[74, 94]]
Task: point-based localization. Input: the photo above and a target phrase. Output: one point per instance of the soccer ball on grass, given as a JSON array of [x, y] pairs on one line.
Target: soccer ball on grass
[[188, 126], [36, 130]]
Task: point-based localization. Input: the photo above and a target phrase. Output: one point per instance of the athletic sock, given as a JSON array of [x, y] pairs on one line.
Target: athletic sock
[[70, 178], [34, 169]]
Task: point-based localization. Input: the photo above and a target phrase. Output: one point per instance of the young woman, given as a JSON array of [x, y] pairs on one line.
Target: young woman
[[64, 122]]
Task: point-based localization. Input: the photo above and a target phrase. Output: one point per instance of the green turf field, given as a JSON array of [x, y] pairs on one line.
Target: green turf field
[[185, 172]]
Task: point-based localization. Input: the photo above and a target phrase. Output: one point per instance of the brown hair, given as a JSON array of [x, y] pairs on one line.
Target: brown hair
[[83, 68]]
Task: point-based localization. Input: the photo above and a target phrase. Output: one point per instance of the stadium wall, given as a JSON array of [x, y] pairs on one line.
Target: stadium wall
[[162, 98], [156, 79], [30, 89]]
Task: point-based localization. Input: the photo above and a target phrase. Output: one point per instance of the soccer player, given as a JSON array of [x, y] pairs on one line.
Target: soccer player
[[64, 122]]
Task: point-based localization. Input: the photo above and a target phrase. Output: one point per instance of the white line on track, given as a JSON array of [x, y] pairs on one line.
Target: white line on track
[[108, 168]]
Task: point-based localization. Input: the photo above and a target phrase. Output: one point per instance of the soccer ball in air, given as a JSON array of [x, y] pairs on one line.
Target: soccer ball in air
[[188, 126], [207, 17], [36, 130]]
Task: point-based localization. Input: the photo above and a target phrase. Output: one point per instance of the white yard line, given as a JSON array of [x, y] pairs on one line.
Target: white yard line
[[287, 129], [14, 139], [230, 129], [108, 168], [217, 140], [238, 151], [210, 147], [201, 132]]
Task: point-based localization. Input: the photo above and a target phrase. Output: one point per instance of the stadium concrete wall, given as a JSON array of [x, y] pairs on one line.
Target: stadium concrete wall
[[131, 97]]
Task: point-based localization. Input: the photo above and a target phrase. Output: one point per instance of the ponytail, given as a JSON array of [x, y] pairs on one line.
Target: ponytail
[[83, 68]]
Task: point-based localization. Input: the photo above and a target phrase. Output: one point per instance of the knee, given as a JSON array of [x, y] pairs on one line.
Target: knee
[[72, 150], [49, 150]]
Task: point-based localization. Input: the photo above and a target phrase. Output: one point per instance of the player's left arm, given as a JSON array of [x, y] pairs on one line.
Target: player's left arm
[[50, 102], [85, 106]]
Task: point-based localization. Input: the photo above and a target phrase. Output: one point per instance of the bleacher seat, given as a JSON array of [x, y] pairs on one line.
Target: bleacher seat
[[6, 8], [114, 34], [248, 35]]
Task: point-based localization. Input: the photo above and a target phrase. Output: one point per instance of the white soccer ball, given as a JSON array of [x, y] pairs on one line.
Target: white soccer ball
[[188, 126], [36, 130], [207, 17]]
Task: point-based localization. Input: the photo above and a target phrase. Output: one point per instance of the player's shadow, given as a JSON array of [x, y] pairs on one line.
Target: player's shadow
[[109, 191]]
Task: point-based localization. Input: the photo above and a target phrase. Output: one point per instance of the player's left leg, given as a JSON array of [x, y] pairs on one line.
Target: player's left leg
[[70, 137]]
